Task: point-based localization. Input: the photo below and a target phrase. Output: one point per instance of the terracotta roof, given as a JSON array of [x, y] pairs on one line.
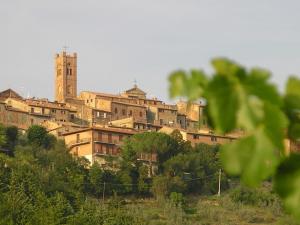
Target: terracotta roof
[[136, 90], [101, 110], [131, 104], [214, 135], [9, 108], [9, 93], [111, 129], [116, 130], [104, 94], [77, 131], [47, 104], [167, 107]]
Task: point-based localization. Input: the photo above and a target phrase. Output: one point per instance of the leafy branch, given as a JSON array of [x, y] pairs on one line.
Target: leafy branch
[[242, 99]]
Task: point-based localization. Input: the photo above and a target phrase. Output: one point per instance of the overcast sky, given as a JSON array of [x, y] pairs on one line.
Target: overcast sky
[[118, 41]]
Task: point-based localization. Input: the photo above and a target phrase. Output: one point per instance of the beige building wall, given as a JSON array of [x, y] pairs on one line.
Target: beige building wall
[[210, 139], [123, 110], [80, 143]]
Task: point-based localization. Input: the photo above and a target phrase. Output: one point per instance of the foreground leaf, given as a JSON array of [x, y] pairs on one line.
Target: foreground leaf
[[190, 84], [252, 157], [287, 184]]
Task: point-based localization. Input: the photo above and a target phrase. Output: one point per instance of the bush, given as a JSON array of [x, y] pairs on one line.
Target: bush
[[257, 197]]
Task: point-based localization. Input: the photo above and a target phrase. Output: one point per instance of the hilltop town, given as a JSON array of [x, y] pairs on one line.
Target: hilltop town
[[93, 124]]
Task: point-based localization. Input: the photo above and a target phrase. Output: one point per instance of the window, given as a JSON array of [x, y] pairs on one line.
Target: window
[[98, 114], [72, 116], [77, 138], [53, 110], [32, 110], [76, 151], [87, 101], [161, 121], [141, 114], [116, 110], [123, 112], [43, 111], [195, 136], [69, 71], [213, 138], [104, 115], [100, 136], [69, 89], [130, 113], [104, 149], [120, 137], [109, 138], [58, 72]]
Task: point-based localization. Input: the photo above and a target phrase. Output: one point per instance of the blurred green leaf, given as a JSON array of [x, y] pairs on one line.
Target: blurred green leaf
[[292, 107], [226, 67], [252, 157], [223, 102], [287, 184], [257, 84], [275, 123], [293, 86], [190, 84]]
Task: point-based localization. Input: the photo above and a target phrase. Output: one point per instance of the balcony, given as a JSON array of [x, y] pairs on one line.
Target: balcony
[[80, 141], [40, 114], [102, 154]]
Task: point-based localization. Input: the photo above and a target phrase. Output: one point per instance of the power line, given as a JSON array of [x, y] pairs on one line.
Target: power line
[[129, 184]]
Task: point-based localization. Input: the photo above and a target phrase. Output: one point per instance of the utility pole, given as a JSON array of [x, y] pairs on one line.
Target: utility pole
[[219, 191], [103, 193]]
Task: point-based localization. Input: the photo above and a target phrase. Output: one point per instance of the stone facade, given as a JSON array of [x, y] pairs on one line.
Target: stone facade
[[65, 76], [98, 143]]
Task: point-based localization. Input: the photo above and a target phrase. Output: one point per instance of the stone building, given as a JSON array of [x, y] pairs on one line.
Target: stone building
[[94, 123], [98, 144], [65, 76], [130, 122]]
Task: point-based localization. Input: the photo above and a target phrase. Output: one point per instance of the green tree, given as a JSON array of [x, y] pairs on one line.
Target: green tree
[[36, 135], [2, 136], [160, 144], [11, 134], [96, 179]]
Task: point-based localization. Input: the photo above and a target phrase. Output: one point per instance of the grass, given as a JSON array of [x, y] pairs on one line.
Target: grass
[[209, 210]]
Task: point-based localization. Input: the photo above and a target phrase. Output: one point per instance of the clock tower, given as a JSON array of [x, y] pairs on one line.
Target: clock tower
[[65, 76]]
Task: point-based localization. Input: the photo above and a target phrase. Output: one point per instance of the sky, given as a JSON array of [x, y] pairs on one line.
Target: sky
[[119, 41]]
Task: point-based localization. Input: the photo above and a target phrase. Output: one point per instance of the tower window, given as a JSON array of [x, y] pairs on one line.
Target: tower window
[[69, 89], [70, 71]]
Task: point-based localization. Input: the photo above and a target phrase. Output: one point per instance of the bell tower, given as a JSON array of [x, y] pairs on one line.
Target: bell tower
[[65, 76]]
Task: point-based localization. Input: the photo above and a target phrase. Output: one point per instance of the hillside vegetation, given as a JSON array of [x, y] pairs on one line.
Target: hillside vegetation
[[41, 183]]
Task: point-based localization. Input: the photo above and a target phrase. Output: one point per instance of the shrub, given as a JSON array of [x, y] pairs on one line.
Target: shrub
[[256, 197]]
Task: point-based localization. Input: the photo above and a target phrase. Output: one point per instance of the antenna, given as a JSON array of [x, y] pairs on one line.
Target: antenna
[[135, 82], [65, 48]]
